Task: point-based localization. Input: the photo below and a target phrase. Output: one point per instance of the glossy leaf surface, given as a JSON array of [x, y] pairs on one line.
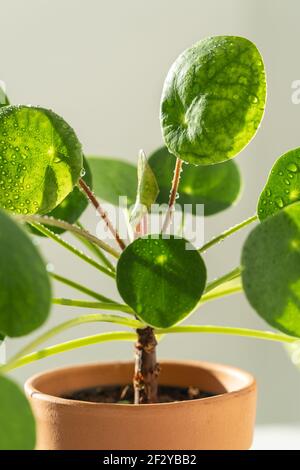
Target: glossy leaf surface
[[40, 159], [25, 293], [215, 186], [17, 429], [213, 100], [161, 279], [283, 185], [271, 269]]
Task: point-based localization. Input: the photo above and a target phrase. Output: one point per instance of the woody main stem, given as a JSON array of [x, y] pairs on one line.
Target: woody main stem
[[145, 381]]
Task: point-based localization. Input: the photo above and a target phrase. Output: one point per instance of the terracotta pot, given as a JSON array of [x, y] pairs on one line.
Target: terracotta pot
[[221, 422]]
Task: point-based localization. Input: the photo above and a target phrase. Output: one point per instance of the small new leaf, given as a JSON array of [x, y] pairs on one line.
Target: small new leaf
[[147, 189], [3, 98]]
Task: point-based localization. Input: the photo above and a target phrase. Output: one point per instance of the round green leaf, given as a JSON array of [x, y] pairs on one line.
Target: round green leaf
[[283, 185], [161, 279], [40, 159], [271, 269], [25, 293], [215, 186], [71, 208], [17, 429], [213, 100], [113, 178]]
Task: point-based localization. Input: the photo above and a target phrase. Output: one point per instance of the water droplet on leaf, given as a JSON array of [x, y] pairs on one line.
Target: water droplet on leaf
[[253, 99], [292, 167], [279, 202]]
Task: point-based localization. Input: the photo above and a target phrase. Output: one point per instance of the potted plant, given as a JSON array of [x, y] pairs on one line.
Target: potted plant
[[212, 104]]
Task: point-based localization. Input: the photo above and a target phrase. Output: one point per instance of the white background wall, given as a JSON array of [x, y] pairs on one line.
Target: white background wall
[[101, 65]]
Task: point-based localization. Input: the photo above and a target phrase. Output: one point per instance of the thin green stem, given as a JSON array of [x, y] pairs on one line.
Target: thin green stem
[[44, 220], [216, 293], [73, 250], [98, 305], [236, 272], [68, 346], [71, 324], [173, 194], [127, 336], [266, 335], [80, 288], [95, 249], [227, 233], [180, 229], [97, 317]]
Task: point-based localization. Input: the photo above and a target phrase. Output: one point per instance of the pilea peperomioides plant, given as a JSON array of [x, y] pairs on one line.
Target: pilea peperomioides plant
[[212, 104]]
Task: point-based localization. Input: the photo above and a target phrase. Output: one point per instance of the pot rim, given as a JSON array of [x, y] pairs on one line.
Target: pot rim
[[248, 384]]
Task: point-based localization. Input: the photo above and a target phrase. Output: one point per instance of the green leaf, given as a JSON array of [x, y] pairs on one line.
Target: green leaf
[[113, 178], [71, 208], [161, 279], [41, 159], [215, 186], [147, 185], [283, 185], [3, 98], [271, 269], [25, 293], [17, 430], [147, 190], [213, 100]]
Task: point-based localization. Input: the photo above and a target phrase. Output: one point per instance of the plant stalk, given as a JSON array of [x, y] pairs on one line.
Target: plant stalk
[[88, 304], [43, 220], [228, 330], [95, 249], [68, 346], [216, 293], [81, 288], [227, 233], [89, 194], [173, 193], [234, 274], [83, 319], [41, 228], [145, 381]]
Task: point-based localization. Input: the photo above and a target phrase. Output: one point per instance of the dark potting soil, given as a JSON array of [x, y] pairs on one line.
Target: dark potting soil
[[124, 394]]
